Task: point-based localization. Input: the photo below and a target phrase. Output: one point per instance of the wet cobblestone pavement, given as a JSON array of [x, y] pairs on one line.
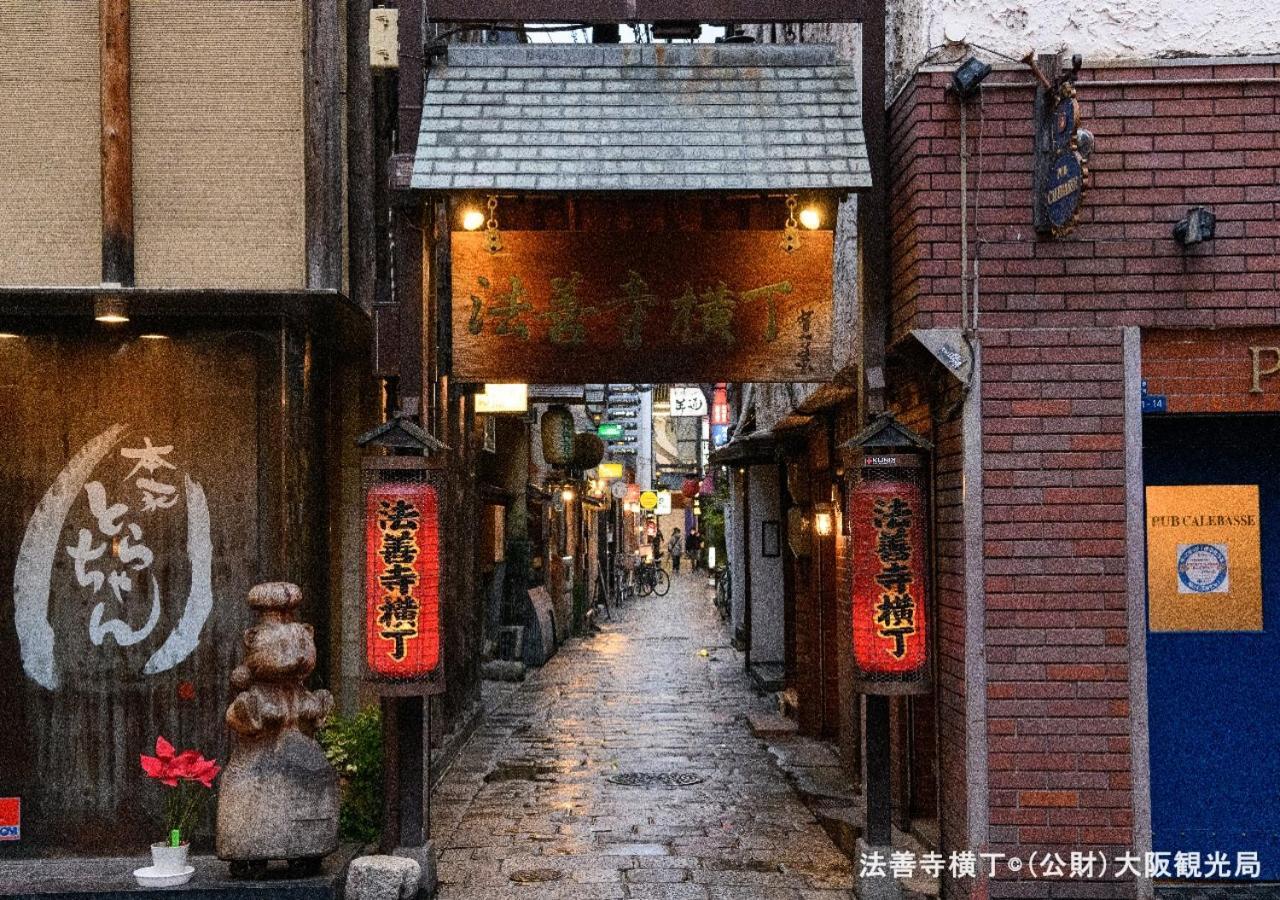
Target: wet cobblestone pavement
[[528, 809]]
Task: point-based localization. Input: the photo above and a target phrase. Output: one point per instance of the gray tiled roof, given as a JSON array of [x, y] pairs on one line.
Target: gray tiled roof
[[641, 117]]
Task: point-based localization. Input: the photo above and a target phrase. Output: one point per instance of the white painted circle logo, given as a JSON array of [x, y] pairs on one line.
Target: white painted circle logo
[[1202, 569]]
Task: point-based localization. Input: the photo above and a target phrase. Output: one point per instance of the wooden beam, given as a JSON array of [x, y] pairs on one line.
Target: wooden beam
[[873, 218], [322, 162], [609, 11], [117, 143]]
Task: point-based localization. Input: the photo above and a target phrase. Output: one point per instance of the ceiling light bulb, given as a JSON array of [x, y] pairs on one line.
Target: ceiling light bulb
[[472, 220], [811, 217]]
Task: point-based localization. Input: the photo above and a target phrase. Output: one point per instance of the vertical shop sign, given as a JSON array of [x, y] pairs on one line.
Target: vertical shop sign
[[890, 580], [402, 592]]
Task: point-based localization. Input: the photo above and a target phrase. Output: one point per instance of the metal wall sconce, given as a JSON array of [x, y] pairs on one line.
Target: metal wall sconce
[[966, 80], [1195, 227]]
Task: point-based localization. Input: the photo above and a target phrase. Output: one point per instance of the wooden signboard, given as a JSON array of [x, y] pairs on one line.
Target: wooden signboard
[[557, 307]]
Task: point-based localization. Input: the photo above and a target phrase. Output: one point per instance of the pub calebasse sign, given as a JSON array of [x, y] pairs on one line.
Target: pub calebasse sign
[[576, 307]]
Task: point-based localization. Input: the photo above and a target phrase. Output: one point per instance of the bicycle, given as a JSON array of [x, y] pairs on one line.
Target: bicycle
[[723, 584], [652, 579]]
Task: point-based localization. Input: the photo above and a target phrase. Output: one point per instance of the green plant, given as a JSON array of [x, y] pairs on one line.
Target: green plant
[[712, 520], [353, 745]]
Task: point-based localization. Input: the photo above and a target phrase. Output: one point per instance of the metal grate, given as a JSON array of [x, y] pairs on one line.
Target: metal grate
[[657, 779]]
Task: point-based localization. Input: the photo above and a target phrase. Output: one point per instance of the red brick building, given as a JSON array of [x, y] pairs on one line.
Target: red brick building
[[1060, 723]]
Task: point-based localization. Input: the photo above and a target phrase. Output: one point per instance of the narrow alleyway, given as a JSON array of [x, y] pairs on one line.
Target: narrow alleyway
[[528, 809]]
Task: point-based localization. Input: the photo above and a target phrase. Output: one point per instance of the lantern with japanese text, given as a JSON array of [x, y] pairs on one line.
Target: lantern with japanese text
[[557, 435], [403, 560], [887, 519]]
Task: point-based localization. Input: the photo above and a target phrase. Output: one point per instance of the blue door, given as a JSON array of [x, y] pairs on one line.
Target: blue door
[[1215, 696]]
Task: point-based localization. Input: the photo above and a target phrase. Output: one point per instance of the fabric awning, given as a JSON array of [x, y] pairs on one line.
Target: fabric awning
[[721, 117]]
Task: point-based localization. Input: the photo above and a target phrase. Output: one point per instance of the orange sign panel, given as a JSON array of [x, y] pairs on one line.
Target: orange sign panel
[[890, 589], [567, 307], [402, 575], [1204, 558]]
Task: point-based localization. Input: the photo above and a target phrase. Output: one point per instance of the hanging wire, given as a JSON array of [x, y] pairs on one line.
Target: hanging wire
[[996, 52]]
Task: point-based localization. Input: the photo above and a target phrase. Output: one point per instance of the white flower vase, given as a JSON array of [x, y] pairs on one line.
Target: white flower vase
[[167, 860], [169, 867]]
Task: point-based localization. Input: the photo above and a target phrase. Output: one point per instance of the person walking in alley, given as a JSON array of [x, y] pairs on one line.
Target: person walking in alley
[[693, 549], [676, 548]]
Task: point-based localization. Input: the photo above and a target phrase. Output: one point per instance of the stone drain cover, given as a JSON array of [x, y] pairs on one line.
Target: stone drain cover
[[536, 876], [657, 779]]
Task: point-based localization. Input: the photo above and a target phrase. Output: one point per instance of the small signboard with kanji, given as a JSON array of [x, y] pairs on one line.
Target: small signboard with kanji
[[890, 608], [402, 581]]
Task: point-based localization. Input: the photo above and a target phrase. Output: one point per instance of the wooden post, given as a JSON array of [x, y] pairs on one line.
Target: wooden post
[[117, 143]]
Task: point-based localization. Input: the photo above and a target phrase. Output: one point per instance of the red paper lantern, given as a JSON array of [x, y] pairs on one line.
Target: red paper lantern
[[890, 578], [402, 580], [691, 487]]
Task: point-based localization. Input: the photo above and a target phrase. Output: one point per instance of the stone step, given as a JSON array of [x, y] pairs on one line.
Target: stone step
[[765, 724]]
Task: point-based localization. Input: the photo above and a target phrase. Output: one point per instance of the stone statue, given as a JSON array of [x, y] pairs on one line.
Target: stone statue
[[278, 796]]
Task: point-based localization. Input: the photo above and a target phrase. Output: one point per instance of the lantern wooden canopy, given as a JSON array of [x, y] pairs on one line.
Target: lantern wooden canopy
[[403, 500], [887, 516]]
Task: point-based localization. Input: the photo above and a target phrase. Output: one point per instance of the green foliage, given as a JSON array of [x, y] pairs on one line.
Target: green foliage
[[353, 745], [712, 519]]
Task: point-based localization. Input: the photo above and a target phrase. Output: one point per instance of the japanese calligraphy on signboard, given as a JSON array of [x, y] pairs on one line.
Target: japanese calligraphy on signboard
[[568, 307], [890, 628], [402, 572], [1204, 565]]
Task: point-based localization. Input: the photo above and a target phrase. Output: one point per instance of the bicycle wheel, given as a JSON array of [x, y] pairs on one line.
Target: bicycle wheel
[[662, 583], [644, 586]]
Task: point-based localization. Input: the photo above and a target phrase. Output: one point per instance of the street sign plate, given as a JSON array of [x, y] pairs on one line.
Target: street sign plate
[[609, 431]]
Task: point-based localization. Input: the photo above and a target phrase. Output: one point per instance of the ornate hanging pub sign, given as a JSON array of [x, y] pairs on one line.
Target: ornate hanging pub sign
[[887, 517]]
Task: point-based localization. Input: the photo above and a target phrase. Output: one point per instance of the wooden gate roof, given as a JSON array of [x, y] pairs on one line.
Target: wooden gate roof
[[728, 117]]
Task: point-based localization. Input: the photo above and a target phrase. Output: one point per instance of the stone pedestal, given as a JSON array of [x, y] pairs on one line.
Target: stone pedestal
[[425, 857]]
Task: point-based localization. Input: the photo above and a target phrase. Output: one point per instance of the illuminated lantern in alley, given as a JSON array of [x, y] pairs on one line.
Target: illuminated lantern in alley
[[557, 435], [402, 580], [887, 520], [691, 487]]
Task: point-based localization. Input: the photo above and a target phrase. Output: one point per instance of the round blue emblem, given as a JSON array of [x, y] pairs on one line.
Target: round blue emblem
[[1202, 568]]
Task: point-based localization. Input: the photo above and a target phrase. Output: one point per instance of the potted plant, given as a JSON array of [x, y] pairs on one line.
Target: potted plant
[[189, 779]]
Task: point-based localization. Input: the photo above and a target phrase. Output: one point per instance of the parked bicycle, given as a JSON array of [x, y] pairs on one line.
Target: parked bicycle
[[652, 579], [723, 589]]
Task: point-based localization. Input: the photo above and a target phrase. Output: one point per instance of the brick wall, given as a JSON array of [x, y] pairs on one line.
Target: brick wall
[[1199, 371], [1056, 593], [1057, 657], [1160, 149]]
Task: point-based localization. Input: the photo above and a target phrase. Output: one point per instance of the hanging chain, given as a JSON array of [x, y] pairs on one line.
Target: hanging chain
[[492, 237], [791, 229]]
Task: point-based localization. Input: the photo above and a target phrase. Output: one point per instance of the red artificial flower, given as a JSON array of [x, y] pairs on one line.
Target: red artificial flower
[[168, 768]]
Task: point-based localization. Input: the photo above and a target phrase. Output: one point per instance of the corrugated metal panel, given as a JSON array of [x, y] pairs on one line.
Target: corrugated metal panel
[[727, 117], [50, 206], [218, 143]]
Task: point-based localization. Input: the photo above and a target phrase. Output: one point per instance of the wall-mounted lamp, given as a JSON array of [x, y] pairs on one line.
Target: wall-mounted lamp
[[567, 494], [823, 519], [473, 219], [1196, 226], [811, 218], [966, 80], [110, 309]]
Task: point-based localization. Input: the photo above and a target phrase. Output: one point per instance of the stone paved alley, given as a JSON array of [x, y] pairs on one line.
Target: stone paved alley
[[530, 799]]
